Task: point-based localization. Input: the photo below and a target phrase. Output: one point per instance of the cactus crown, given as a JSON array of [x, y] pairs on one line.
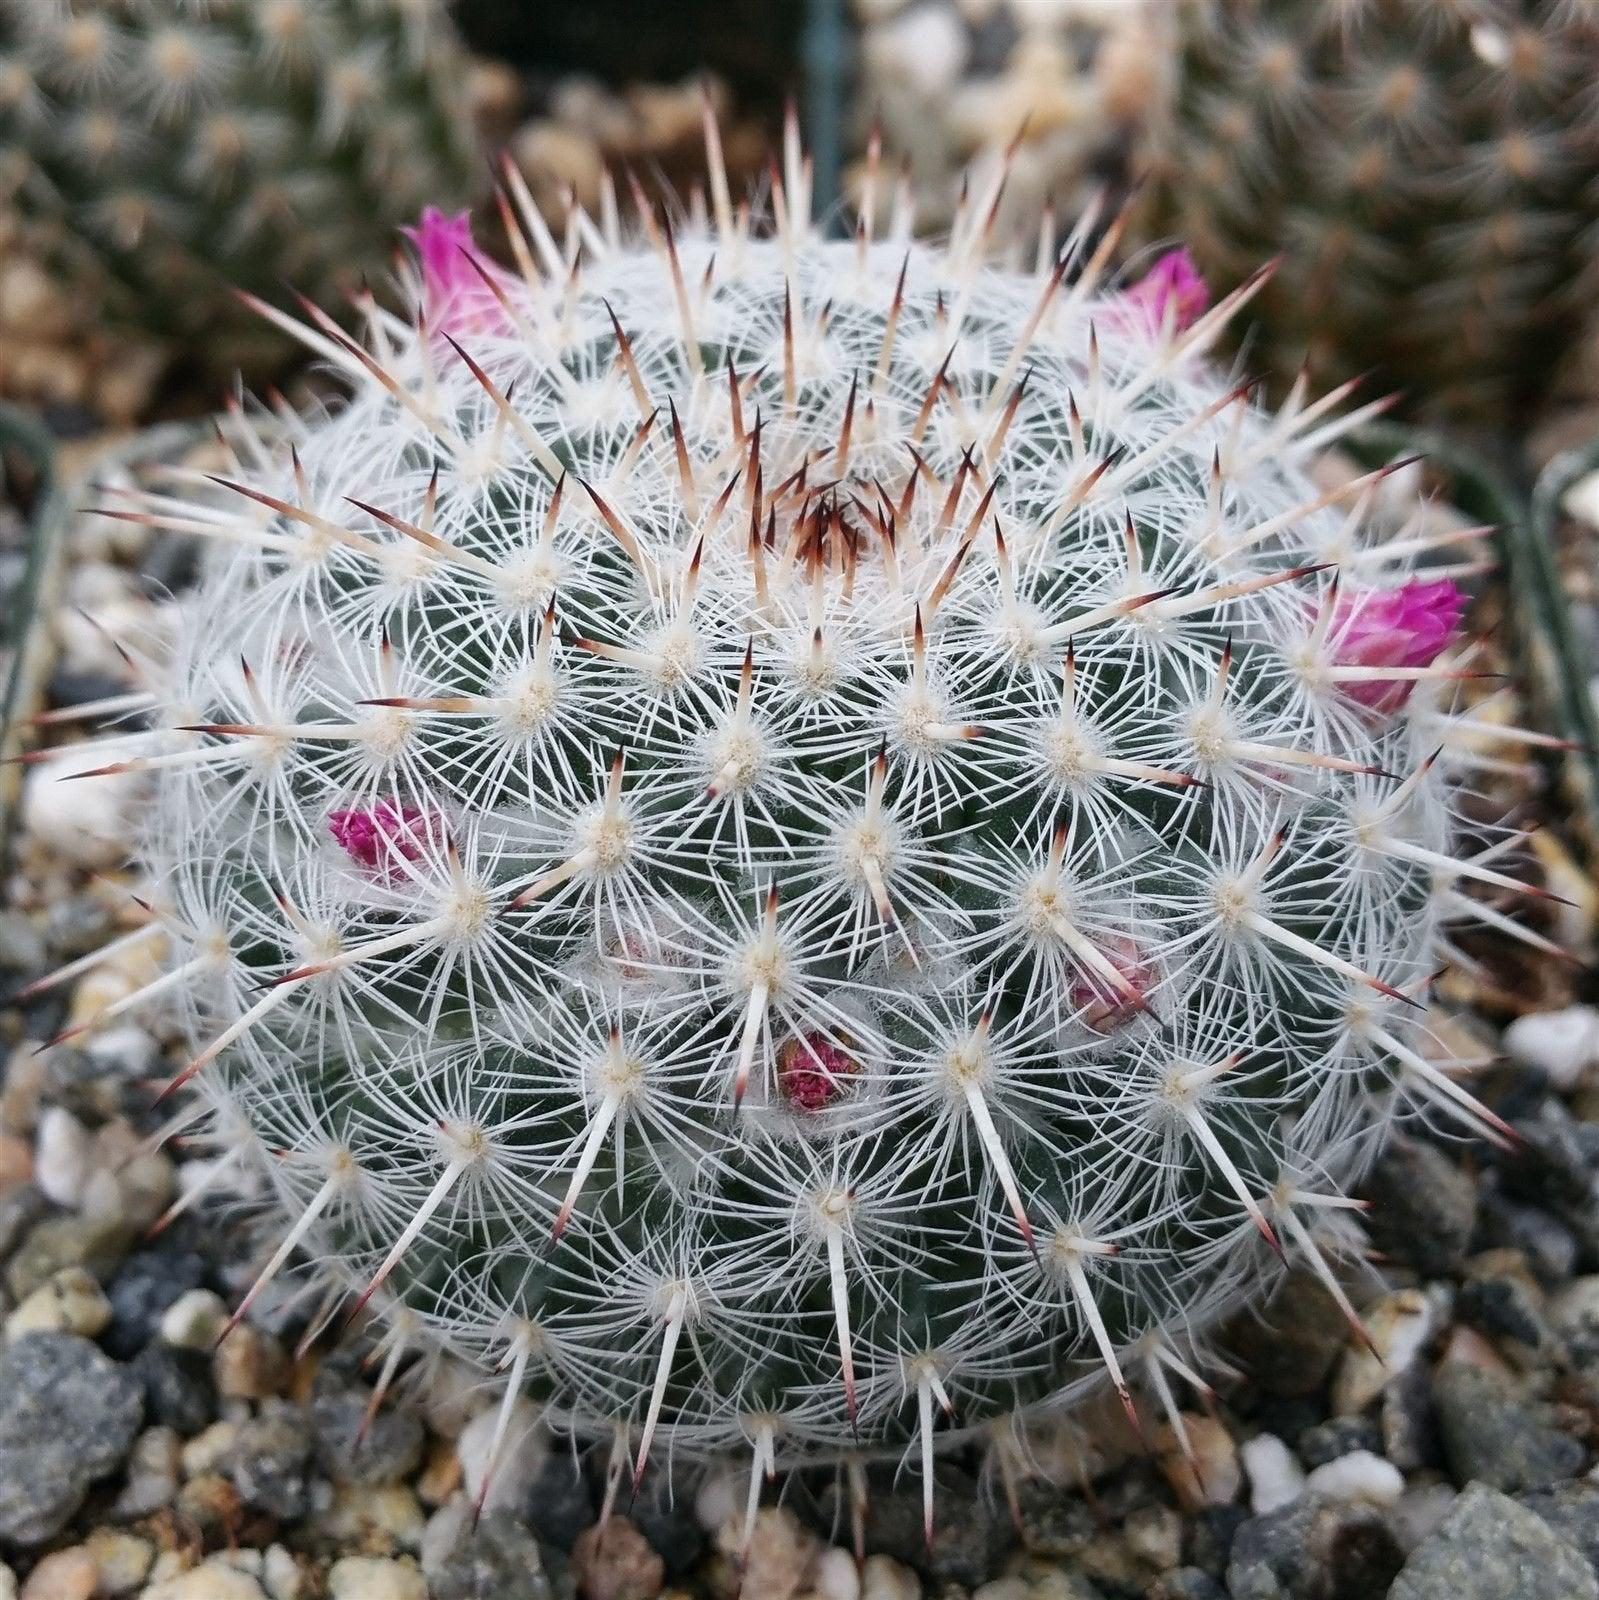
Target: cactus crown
[[182, 151], [1424, 169], [778, 838]]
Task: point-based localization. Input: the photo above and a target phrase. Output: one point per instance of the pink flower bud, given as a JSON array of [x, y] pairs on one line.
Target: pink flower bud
[[811, 1071], [375, 836], [455, 299], [1103, 1005], [1171, 288], [1405, 627]]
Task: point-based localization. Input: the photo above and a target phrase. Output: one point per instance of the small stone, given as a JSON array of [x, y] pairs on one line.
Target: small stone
[[63, 1575], [1409, 1423], [206, 1452], [194, 1321], [1563, 1045], [1290, 1349], [213, 1579], [1360, 1475], [1572, 1510], [377, 1519], [1423, 1207], [178, 1390], [886, 1579], [1399, 1326], [373, 1578], [1502, 1300], [281, 1575], [61, 1157], [1575, 1313], [123, 1561], [496, 1560], [1490, 1433], [1275, 1476], [271, 1462], [615, 1562], [8, 1583], [520, 1458], [835, 1577], [968, 1532], [1207, 1472], [353, 1450], [145, 1287], [1187, 1583], [1327, 1441], [1490, 1548], [249, 1365], [559, 1505], [96, 1244], [69, 1417], [1154, 1536], [1302, 1551], [80, 824], [1054, 1525], [154, 1467], [663, 1511], [71, 1302]]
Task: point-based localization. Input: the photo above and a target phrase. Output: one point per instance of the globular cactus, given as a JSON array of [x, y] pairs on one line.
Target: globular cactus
[[801, 844], [1425, 168], [171, 153]]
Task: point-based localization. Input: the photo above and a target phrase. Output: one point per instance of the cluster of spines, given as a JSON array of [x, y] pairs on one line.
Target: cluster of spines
[[934, 552]]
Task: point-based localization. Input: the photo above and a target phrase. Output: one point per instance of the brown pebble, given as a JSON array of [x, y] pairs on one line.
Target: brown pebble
[[614, 1562]]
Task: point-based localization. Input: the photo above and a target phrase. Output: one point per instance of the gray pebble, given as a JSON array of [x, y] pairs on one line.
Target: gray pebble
[[969, 1533], [271, 1464], [1423, 1207], [1054, 1524], [560, 1505], [178, 1390], [1289, 1348], [1187, 1583], [390, 1449], [1327, 1441], [1409, 1422], [1314, 1549], [141, 1290], [1572, 1510], [1492, 1434], [22, 946], [663, 1511], [496, 1560], [1490, 1548], [69, 1416]]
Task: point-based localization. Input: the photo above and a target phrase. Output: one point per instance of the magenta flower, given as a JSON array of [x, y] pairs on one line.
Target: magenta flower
[[455, 299], [1172, 287], [374, 836], [811, 1071], [1405, 627]]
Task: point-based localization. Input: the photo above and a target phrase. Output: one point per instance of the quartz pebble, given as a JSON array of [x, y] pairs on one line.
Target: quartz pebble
[[1563, 1045], [1275, 1476], [375, 1578], [1399, 1326], [1360, 1475], [70, 1574], [195, 1320], [515, 1465], [61, 1157], [71, 1302]]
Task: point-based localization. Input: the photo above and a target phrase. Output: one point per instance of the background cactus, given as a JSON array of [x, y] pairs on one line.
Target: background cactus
[[800, 844], [1425, 168], [176, 152]]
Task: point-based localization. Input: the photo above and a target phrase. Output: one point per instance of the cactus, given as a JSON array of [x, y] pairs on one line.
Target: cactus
[[173, 153], [1424, 167], [797, 844]]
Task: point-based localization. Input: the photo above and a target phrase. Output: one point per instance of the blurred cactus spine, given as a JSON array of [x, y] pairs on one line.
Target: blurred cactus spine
[[1425, 168], [173, 151]]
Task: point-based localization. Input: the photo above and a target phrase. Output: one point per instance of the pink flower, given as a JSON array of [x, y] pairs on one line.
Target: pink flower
[[1172, 287], [1405, 627], [811, 1071], [373, 836], [1103, 1005], [455, 299]]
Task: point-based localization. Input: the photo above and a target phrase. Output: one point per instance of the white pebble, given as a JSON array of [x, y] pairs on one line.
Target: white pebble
[[1275, 1475], [835, 1577], [128, 1048], [1360, 1475], [8, 1583], [886, 1579], [71, 1302], [215, 1579], [522, 1452], [84, 823], [281, 1574], [194, 1321], [374, 1578], [925, 49], [61, 1157], [1563, 1044], [718, 1499], [1582, 499]]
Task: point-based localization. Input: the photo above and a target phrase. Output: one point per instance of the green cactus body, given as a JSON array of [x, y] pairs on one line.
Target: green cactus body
[[1424, 168], [175, 152], [802, 844]]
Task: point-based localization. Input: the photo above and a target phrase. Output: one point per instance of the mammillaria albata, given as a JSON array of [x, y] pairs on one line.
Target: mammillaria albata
[[801, 846]]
